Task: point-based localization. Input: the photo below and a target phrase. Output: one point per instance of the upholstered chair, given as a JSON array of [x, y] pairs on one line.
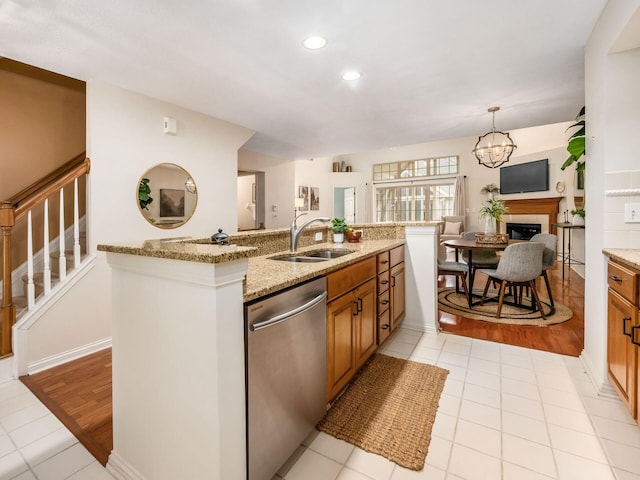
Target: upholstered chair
[[481, 258], [520, 265], [452, 228], [458, 269], [549, 256]]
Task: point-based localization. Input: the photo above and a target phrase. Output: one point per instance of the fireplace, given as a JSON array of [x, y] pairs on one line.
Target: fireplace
[[523, 231]]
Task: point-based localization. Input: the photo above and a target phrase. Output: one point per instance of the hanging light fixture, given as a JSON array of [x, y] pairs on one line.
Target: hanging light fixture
[[494, 148]]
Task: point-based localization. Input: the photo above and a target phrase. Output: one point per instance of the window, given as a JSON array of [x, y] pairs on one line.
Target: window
[[412, 198]]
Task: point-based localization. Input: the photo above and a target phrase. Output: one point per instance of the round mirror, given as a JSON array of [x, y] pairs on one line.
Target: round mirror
[[167, 195]]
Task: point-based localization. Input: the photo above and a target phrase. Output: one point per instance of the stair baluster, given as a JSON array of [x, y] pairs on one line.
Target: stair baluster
[[76, 226], [31, 289], [46, 273], [62, 272]]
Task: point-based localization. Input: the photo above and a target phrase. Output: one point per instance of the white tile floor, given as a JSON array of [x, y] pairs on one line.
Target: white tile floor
[[506, 413], [34, 445]]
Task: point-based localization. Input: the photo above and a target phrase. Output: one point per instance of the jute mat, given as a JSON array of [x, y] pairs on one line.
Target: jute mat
[[389, 410], [456, 303]]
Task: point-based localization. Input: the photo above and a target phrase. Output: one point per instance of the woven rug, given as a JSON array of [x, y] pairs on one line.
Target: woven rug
[[389, 410], [451, 302]]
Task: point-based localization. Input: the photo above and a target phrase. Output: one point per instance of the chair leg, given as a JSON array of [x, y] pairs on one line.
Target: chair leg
[[546, 281], [503, 287], [538, 303], [463, 279], [486, 289]]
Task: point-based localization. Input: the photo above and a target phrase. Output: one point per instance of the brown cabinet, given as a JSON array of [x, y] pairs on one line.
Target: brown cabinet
[[623, 336], [351, 322], [397, 286]]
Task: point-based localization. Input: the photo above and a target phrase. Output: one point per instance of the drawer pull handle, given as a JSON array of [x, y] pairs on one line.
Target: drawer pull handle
[[385, 326], [384, 282], [355, 302], [384, 302], [633, 335], [384, 262], [624, 327], [615, 279]]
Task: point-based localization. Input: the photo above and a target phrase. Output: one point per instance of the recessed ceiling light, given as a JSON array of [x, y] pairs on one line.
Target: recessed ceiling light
[[315, 42], [351, 75]]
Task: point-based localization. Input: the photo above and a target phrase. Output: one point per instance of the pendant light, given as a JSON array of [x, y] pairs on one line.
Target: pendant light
[[494, 148]]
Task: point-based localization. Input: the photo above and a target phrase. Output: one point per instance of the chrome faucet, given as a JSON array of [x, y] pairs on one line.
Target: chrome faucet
[[295, 231]]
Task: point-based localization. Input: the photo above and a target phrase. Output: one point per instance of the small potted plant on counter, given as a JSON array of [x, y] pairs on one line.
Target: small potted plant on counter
[[338, 226]]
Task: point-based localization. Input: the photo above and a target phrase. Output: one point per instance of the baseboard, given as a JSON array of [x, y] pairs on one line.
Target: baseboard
[[603, 388], [6, 369], [121, 470], [68, 356], [421, 327]]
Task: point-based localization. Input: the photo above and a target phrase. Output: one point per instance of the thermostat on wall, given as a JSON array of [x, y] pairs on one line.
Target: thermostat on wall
[[170, 126]]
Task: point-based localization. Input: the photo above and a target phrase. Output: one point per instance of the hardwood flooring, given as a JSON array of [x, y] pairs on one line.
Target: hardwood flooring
[[566, 338], [79, 392]]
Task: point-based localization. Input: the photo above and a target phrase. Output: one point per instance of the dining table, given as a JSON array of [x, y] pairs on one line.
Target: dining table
[[473, 246]]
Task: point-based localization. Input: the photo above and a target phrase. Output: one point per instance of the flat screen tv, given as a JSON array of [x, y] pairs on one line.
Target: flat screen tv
[[525, 177]]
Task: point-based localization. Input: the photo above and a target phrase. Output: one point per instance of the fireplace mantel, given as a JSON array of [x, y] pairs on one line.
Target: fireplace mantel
[[536, 206]]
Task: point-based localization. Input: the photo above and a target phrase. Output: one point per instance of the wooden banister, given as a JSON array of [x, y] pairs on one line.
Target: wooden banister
[[12, 209]]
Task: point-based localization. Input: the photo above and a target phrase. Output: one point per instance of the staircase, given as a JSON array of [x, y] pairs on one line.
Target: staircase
[[44, 272]]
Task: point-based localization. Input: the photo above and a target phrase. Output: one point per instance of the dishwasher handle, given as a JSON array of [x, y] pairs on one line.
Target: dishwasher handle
[[286, 315]]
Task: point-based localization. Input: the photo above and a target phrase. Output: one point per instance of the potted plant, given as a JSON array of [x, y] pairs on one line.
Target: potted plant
[[577, 145], [492, 211], [490, 190], [578, 216], [338, 226]]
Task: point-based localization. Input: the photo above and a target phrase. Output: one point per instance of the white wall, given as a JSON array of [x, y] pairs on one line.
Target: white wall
[[124, 138], [279, 179], [612, 100], [245, 206]]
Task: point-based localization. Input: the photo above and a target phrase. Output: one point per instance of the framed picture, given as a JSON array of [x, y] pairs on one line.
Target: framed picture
[[303, 192], [315, 198], [171, 202]]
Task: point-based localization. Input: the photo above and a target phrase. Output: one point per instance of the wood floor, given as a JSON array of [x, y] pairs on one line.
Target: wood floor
[[79, 392], [566, 338]]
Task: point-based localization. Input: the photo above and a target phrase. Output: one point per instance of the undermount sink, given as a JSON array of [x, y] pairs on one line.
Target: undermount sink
[[313, 256]]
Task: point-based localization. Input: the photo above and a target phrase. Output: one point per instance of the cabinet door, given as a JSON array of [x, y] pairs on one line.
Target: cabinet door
[[397, 295], [341, 340], [621, 353], [365, 320]]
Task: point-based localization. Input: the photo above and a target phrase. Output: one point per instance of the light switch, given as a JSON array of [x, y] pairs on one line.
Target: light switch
[[170, 126], [318, 237], [632, 213]]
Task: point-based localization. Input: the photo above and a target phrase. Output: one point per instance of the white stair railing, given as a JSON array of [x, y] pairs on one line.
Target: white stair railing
[[46, 272], [76, 226], [31, 289], [62, 259]]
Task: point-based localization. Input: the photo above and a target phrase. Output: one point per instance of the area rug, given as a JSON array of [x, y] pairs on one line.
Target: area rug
[[389, 409], [456, 303]]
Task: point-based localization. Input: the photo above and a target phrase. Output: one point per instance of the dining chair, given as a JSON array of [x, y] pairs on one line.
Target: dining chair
[[481, 258], [549, 256], [520, 265], [458, 269]]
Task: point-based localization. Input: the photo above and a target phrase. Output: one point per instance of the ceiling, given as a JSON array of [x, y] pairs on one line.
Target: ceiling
[[429, 69]]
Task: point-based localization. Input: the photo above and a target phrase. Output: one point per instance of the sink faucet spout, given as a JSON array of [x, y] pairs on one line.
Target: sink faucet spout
[[295, 231]]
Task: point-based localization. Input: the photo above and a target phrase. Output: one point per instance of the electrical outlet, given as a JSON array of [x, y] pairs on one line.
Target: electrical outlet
[[632, 213], [318, 236]]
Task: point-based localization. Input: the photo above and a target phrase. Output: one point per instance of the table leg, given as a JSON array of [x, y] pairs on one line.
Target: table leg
[[457, 279], [470, 277], [569, 247], [563, 257]]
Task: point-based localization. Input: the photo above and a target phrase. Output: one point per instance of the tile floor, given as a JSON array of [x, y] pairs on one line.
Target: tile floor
[[34, 445], [506, 412]]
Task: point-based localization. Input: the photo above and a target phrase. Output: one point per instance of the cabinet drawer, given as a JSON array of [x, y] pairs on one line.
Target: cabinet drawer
[[383, 301], [384, 327], [348, 278], [383, 262], [383, 281], [396, 255], [624, 281]]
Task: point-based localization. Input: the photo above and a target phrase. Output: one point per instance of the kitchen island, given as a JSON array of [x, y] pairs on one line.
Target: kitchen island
[[178, 343]]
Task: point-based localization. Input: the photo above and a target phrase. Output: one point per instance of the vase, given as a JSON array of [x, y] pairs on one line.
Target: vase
[[338, 237], [490, 225], [577, 220]]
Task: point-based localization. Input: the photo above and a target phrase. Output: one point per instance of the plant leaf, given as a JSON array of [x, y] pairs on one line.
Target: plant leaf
[[580, 167], [576, 146], [568, 162]]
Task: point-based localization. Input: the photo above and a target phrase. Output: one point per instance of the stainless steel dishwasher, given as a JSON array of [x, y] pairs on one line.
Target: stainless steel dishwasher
[[285, 339]]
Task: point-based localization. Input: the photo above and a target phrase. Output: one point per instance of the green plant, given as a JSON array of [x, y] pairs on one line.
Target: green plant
[[143, 193], [576, 146], [339, 225], [495, 208], [491, 188], [578, 211]]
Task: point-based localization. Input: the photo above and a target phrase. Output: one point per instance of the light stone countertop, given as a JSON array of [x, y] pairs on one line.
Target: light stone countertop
[[266, 275], [182, 249], [629, 257]]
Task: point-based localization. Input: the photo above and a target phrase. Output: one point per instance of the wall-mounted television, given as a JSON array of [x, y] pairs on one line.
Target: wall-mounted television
[[525, 177]]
